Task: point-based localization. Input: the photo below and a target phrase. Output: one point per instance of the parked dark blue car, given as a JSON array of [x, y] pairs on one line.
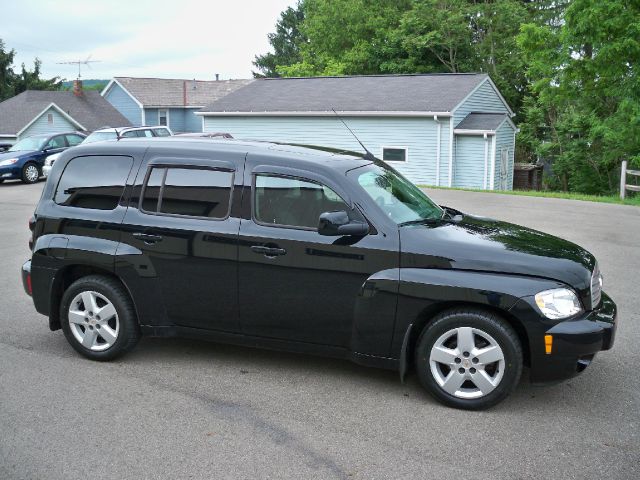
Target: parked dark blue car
[[24, 160]]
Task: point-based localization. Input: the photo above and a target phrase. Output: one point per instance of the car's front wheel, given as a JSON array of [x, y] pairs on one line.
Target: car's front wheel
[[30, 173], [98, 318], [469, 359]]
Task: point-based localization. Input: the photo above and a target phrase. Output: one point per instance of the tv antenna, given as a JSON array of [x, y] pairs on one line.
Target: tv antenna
[[79, 62]]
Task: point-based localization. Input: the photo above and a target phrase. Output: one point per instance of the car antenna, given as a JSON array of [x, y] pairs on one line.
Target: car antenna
[[368, 155]]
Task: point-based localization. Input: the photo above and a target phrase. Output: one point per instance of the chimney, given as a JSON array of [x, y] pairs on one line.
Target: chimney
[[217, 77], [77, 88]]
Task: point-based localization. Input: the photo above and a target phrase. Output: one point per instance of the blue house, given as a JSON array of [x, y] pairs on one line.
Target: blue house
[[165, 101], [441, 129], [36, 112]]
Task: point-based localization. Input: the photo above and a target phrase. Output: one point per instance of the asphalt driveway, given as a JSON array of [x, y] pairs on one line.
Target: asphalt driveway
[[187, 409]]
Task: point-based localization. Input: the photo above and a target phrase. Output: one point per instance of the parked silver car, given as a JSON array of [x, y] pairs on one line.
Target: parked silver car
[[112, 134]]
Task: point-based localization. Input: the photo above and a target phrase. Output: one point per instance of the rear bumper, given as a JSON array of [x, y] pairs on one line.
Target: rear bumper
[[575, 342]]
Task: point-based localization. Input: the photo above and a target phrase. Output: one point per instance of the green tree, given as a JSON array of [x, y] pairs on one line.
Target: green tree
[[346, 37], [583, 114], [286, 43], [12, 83], [7, 75], [30, 79]]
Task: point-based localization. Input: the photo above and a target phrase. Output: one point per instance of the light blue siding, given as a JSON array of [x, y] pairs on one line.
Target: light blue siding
[[176, 119], [151, 116], [117, 97], [503, 179], [469, 161], [181, 120], [417, 134], [484, 99], [10, 140], [42, 125], [192, 122]]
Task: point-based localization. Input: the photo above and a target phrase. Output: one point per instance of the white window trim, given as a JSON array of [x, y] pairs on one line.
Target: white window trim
[[167, 112], [406, 154]]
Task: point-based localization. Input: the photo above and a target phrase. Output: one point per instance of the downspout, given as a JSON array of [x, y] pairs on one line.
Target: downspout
[[486, 159], [451, 151], [493, 162], [438, 134], [184, 93]]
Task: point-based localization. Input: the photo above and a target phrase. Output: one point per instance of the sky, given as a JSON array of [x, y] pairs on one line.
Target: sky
[[143, 38]]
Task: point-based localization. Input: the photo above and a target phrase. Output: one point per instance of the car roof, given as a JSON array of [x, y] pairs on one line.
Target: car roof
[[127, 129], [48, 135], [309, 156]]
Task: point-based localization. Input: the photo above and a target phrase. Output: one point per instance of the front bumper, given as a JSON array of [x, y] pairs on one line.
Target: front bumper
[[26, 277], [9, 172], [46, 170], [575, 341]]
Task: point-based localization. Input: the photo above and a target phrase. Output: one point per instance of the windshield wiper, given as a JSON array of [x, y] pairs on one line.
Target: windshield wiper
[[419, 221]]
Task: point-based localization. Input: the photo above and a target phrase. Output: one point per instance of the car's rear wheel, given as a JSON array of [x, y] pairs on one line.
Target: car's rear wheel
[[98, 318], [469, 359], [30, 173]]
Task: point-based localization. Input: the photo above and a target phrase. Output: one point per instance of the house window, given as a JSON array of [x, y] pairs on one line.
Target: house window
[[50, 118], [394, 154], [163, 117]]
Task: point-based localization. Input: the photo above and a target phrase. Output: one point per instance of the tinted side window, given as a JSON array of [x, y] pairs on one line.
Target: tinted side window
[[293, 202], [195, 192], [93, 182], [129, 134]]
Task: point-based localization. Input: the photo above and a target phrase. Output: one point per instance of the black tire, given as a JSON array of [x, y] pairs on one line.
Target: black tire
[[483, 323], [26, 173], [109, 288]]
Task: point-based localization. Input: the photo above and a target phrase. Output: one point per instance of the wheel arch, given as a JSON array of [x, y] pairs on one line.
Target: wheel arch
[[426, 316], [69, 274]]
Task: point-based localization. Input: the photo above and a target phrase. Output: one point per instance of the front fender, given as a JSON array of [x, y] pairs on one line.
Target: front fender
[[424, 292]]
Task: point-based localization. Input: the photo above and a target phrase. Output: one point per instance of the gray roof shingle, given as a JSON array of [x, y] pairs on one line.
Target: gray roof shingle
[[371, 93], [90, 110], [481, 121], [171, 92]]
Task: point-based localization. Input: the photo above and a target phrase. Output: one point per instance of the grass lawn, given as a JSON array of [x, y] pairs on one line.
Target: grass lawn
[[630, 200]]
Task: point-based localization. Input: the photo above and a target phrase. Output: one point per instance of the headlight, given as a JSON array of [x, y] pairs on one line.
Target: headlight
[[51, 158], [558, 303], [9, 161]]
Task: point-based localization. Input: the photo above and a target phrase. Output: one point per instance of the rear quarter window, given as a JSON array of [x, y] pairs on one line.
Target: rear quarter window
[[191, 192], [94, 182]]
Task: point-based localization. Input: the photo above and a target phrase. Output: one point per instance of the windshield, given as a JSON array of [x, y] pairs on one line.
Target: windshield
[[100, 136], [398, 198], [29, 143]]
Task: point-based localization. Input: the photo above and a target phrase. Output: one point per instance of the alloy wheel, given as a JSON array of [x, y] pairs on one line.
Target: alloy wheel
[[31, 173], [93, 321], [467, 362]]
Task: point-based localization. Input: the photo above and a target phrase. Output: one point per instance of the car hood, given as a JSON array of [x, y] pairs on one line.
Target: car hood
[[484, 244], [19, 154]]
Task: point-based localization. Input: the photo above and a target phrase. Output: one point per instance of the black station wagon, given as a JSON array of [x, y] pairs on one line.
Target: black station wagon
[[310, 250]]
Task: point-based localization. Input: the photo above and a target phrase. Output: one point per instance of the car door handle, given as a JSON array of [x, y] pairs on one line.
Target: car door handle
[[148, 238], [268, 251]]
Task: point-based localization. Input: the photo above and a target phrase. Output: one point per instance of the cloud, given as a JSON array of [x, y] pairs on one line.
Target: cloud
[[189, 38]]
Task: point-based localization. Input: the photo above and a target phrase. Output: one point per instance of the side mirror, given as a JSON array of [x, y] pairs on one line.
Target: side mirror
[[334, 224]]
